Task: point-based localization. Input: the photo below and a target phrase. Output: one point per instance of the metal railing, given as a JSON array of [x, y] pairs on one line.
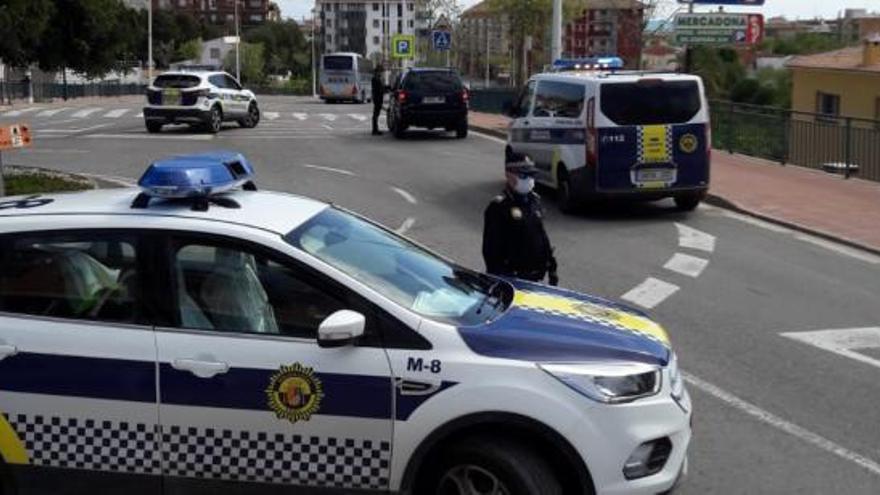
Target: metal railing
[[19, 90], [838, 144]]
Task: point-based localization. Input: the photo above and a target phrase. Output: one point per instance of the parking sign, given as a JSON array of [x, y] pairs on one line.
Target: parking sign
[[442, 40], [403, 46]]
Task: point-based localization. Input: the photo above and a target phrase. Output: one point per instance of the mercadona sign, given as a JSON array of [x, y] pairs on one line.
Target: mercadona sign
[[719, 28]]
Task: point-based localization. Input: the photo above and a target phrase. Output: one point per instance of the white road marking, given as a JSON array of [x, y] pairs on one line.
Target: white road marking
[[650, 293], [781, 424], [52, 112], [328, 116], [686, 264], [22, 111], [689, 237], [72, 130], [358, 116], [300, 116], [186, 137], [488, 137], [330, 169], [139, 115], [406, 195], [271, 115], [817, 241], [325, 126], [85, 112], [405, 226], [115, 114], [843, 341]]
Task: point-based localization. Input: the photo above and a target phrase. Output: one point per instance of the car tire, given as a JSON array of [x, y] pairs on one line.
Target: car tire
[[565, 199], [253, 117], [215, 120], [507, 466], [153, 127], [688, 202], [461, 131]]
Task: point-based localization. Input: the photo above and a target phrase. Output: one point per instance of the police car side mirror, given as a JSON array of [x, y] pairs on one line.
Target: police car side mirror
[[340, 329]]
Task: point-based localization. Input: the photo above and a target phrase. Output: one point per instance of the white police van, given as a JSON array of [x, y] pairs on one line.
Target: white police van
[[596, 132], [197, 333]]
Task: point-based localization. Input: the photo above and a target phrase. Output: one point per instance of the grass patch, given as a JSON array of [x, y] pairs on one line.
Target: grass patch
[[37, 182]]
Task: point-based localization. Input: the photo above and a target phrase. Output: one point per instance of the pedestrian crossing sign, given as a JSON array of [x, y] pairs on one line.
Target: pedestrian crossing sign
[[403, 46]]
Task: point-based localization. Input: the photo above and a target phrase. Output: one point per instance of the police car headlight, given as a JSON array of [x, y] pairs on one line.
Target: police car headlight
[[608, 383], [676, 382]]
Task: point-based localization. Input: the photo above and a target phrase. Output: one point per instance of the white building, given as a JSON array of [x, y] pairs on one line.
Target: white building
[[365, 26]]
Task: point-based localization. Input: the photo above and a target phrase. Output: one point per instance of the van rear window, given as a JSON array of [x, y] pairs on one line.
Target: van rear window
[[338, 62], [178, 81], [650, 102]]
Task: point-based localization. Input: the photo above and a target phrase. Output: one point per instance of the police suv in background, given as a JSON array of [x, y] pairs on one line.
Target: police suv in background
[[199, 98], [200, 333], [595, 132]]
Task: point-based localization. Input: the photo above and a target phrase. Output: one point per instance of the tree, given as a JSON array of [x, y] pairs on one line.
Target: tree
[[87, 36], [284, 46], [189, 50], [23, 23], [251, 61]]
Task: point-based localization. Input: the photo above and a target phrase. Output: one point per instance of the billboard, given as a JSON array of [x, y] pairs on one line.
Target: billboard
[[717, 28]]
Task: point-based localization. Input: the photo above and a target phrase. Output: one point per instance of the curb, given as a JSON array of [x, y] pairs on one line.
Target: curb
[[721, 202], [488, 130]]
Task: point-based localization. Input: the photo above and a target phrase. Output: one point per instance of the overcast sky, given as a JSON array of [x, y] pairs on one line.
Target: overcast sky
[[793, 9]]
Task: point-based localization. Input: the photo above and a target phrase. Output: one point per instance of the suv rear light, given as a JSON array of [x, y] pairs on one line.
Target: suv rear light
[[709, 142], [465, 97], [401, 97]]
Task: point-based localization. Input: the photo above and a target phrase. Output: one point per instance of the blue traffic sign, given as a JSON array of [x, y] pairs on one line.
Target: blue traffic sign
[[724, 2], [442, 40]]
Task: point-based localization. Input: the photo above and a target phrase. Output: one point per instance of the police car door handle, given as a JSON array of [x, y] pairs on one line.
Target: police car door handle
[[202, 369], [7, 350]]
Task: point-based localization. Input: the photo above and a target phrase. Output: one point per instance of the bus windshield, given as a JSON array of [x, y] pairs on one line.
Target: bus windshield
[[338, 62]]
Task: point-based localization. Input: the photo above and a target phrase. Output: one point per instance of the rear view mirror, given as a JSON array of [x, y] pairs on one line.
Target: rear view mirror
[[340, 329]]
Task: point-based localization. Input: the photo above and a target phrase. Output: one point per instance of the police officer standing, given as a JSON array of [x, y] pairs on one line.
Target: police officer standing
[[515, 243], [378, 97]]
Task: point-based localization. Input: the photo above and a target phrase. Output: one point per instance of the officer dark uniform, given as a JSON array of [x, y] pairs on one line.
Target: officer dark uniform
[[378, 98], [515, 243]]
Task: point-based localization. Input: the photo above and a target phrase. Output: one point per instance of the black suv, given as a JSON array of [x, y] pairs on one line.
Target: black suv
[[429, 98]]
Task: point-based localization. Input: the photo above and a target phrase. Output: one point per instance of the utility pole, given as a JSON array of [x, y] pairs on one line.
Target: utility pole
[[556, 36], [314, 67], [149, 45], [487, 54], [237, 46]]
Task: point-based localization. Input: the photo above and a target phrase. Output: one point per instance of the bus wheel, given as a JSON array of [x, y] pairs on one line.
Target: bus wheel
[[568, 204]]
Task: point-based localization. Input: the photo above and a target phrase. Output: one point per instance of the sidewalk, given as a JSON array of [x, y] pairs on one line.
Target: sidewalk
[[813, 201]]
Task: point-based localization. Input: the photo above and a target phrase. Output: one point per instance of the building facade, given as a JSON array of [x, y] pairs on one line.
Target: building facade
[[483, 40], [364, 26], [220, 11], [606, 27]]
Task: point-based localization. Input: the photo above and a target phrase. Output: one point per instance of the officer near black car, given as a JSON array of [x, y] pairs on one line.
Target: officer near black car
[[378, 97], [515, 243]]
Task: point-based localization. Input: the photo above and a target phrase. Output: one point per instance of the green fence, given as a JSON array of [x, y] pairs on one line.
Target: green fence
[[839, 144]]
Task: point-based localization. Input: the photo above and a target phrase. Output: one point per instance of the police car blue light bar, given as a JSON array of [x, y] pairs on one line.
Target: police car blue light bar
[[197, 175], [588, 63]]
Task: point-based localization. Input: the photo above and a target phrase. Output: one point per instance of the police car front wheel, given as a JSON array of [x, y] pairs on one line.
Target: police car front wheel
[[479, 466]]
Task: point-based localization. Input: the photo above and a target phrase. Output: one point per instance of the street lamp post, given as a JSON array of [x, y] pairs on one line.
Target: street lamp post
[[149, 41], [237, 46], [314, 67]]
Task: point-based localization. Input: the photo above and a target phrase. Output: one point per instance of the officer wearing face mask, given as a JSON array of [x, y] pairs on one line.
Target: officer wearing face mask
[[515, 243]]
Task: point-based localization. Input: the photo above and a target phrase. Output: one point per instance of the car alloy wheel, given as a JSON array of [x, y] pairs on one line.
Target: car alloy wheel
[[469, 479], [216, 121]]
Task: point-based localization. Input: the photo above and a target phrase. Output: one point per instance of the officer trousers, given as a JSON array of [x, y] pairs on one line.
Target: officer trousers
[[377, 110]]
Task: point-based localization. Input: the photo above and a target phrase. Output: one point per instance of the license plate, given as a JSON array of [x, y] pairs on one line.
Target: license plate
[[171, 97], [434, 99], [654, 178]]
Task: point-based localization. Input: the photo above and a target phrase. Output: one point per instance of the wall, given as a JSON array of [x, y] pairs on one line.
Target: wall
[[858, 90]]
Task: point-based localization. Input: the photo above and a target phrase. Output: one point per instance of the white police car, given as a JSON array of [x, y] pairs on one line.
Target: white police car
[[200, 333], [200, 98]]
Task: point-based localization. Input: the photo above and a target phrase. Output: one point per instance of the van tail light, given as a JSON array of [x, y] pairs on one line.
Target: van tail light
[[592, 144], [709, 141], [354, 90], [401, 97]]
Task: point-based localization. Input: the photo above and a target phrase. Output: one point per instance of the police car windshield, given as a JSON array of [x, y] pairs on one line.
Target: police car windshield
[[400, 270], [650, 102]]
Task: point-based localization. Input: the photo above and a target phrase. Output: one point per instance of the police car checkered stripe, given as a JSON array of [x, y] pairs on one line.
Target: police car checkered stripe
[[276, 458], [204, 452], [88, 444]]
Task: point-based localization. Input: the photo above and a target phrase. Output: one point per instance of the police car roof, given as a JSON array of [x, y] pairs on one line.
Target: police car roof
[[612, 76], [267, 210]]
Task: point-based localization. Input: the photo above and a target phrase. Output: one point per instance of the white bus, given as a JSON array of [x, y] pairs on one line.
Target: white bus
[[345, 77]]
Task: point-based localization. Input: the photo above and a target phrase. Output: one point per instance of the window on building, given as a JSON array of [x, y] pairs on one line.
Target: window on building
[[399, 27], [375, 7], [375, 40], [256, 4], [400, 10], [329, 38], [230, 17], [411, 23], [215, 53], [376, 23], [182, 3], [411, 7], [257, 18], [828, 105]]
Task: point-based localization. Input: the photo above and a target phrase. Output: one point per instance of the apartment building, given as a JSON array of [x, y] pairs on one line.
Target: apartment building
[[364, 26]]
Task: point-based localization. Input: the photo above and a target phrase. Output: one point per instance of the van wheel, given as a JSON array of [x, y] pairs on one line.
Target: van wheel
[[689, 202], [491, 465], [568, 204]]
